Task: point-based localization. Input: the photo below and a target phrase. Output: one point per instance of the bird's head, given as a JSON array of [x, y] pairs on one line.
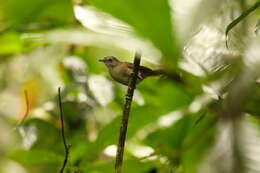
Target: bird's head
[[110, 61]]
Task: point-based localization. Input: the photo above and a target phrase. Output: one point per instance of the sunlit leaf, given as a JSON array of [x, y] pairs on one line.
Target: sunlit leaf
[[10, 43], [150, 18]]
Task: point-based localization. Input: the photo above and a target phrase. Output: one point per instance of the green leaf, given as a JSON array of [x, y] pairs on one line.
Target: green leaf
[[13, 42], [139, 117], [35, 156], [184, 142], [48, 12], [132, 165], [48, 136], [165, 95], [192, 156], [10, 43], [158, 103], [107, 136], [198, 141], [129, 166], [171, 139], [150, 18], [252, 104]]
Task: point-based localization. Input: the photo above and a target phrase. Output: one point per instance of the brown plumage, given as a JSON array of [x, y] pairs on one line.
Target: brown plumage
[[121, 71]]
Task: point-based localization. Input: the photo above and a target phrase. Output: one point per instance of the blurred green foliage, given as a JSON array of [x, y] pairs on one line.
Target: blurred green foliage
[[23, 13], [152, 21], [44, 44]]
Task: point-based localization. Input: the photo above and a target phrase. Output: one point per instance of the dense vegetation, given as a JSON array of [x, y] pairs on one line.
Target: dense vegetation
[[207, 122]]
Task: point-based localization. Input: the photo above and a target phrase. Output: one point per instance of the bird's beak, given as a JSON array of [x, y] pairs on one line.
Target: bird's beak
[[101, 60]]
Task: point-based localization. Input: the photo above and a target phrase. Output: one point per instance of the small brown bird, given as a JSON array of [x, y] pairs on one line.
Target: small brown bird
[[121, 71]]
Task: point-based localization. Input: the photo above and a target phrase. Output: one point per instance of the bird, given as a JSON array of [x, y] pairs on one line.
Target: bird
[[121, 71]]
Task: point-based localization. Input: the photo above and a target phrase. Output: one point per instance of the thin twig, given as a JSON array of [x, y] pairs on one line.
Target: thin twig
[[257, 27], [67, 147], [26, 111], [125, 117]]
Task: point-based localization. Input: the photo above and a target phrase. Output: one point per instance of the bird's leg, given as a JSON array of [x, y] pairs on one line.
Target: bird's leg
[[127, 97]]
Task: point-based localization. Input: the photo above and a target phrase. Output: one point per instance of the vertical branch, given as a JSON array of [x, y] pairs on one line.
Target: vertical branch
[[66, 146], [238, 165], [232, 109], [125, 117]]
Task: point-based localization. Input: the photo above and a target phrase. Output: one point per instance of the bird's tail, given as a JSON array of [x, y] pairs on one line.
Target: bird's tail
[[173, 76], [157, 73]]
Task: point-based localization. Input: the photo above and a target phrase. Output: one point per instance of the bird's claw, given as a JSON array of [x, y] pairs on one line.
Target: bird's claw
[[127, 97]]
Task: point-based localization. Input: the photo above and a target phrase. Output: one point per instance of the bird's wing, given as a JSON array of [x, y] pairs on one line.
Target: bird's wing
[[143, 71]]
